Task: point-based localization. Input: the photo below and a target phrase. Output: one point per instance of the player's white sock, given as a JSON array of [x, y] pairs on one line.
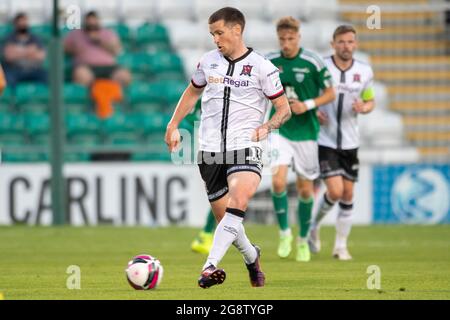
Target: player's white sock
[[343, 224], [245, 247], [226, 233], [325, 205]]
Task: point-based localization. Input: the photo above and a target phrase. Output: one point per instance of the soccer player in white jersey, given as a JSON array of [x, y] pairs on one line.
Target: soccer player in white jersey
[[237, 87], [339, 136]]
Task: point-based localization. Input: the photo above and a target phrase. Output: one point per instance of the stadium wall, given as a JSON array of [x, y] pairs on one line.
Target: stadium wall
[[165, 194]]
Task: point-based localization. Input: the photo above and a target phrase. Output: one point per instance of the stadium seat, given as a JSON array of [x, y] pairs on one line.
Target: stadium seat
[[108, 10], [166, 66], [82, 123], [32, 97], [174, 9], [43, 31], [5, 30], [144, 97], [253, 9], [38, 127], [137, 63], [137, 11], [35, 9], [6, 99], [118, 123], [152, 36], [173, 91], [130, 139], [124, 32], [261, 36], [11, 129], [189, 35], [24, 157], [84, 139], [77, 157], [204, 8], [76, 98], [152, 123]]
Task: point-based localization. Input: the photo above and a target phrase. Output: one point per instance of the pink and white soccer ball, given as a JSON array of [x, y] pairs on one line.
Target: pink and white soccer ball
[[144, 272]]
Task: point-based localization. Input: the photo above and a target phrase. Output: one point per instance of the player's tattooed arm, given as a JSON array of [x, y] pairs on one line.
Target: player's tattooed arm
[[184, 107], [281, 115]]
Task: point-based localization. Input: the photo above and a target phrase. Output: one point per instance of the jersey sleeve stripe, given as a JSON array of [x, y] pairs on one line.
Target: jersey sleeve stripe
[[276, 95], [196, 85]]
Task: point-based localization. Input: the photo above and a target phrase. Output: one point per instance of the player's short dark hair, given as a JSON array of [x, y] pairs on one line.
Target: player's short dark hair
[[342, 30], [229, 15]]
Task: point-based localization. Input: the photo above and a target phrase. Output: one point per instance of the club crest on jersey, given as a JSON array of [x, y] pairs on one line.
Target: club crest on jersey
[[246, 70], [357, 77]]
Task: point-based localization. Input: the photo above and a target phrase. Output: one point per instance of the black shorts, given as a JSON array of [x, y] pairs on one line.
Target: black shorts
[[215, 167], [104, 72], [334, 162]]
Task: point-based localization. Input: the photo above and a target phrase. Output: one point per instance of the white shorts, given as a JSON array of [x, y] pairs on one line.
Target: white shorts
[[304, 155]]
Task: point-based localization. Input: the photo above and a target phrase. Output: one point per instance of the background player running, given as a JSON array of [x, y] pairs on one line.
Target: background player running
[[339, 136], [307, 84]]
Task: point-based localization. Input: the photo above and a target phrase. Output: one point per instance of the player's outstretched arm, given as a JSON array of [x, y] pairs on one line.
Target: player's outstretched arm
[[185, 104], [282, 114]]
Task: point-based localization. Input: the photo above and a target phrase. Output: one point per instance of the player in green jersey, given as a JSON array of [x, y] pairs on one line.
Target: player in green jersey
[[308, 85]]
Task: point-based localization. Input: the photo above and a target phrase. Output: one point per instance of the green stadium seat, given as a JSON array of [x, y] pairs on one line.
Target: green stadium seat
[[6, 98], [11, 130], [152, 36], [76, 98], [123, 31], [11, 122], [150, 156], [119, 123], [153, 123], [12, 139], [77, 157], [5, 30], [137, 63], [123, 139], [42, 31], [166, 65], [84, 139], [173, 91], [32, 97], [144, 97], [38, 128], [82, 123], [24, 157]]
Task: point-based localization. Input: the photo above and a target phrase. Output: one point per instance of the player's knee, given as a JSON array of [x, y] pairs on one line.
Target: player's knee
[[305, 193], [278, 185], [347, 195], [335, 194], [123, 76]]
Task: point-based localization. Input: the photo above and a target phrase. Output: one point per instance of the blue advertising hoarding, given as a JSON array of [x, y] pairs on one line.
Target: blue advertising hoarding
[[411, 194]]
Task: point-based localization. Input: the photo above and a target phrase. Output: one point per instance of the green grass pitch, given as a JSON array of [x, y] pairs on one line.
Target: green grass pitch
[[414, 263]]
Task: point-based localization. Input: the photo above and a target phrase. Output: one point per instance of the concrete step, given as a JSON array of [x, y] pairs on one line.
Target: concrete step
[[434, 152], [409, 63], [405, 77], [422, 108], [402, 33]]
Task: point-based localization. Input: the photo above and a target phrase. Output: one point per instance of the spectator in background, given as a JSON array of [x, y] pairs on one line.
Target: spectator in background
[[94, 50], [23, 54]]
